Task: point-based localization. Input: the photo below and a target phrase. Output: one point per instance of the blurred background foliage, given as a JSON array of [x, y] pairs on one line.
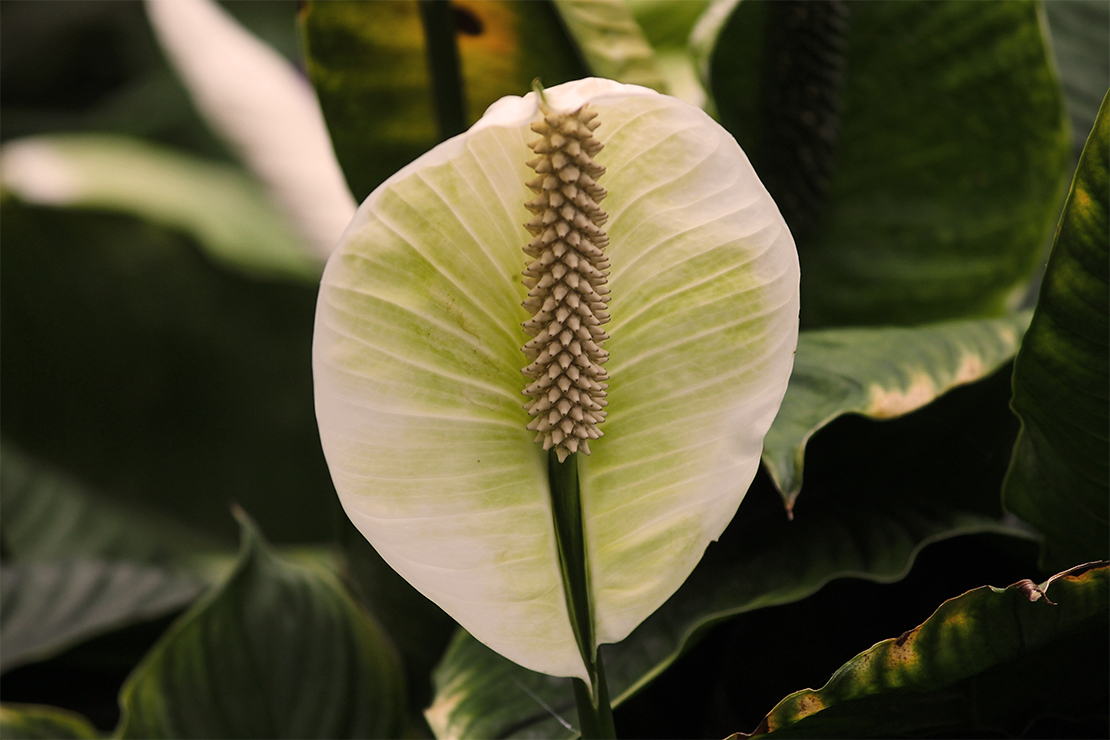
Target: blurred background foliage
[[921, 153]]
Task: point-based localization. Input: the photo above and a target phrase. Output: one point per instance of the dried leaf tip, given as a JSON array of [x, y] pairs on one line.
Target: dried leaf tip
[[566, 281]]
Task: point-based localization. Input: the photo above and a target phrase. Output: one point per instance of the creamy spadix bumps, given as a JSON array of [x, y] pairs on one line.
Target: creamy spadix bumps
[[566, 281]]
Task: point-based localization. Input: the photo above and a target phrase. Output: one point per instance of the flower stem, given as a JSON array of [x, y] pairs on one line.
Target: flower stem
[[595, 716], [448, 97]]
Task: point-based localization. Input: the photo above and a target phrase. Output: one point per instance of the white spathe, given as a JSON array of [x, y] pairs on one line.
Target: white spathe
[[264, 108], [417, 360]]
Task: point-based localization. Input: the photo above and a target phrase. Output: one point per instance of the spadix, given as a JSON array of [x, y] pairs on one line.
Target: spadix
[[417, 362], [566, 278]]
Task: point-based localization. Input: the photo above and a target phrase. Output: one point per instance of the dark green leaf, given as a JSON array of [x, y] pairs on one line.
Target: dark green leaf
[[419, 628], [1081, 43], [958, 669], [1059, 479], [278, 651], [367, 62], [880, 373], [93, 67], [34, 722], [480, 694], [877, 493], [46, 608], [48, 515], [158, 378], [917, 149]]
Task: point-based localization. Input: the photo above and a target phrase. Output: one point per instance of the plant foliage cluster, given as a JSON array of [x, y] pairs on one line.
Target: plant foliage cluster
[[926, 542]]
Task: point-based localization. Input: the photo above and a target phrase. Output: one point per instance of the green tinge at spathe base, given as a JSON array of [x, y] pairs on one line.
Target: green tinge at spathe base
[[417, 364]]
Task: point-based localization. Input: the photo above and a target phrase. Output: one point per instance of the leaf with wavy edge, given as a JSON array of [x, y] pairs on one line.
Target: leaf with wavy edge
[[220, 206], [912, 677], [881, 373], [417, 367]]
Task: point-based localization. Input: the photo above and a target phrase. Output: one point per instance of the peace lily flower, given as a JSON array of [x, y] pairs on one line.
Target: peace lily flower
[[417, 357]]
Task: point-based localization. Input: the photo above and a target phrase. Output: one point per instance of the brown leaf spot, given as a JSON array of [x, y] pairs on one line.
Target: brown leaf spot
[[901, 654], [808, 704]]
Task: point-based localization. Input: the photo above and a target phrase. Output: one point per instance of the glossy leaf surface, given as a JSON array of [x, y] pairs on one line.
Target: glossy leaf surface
[[32, 722], [418, 385], [918, 682], [368, 64], [221, 207], [46, 607], [298, 656], [1060, 475], [869, 522], [881, 373], [923, 147]]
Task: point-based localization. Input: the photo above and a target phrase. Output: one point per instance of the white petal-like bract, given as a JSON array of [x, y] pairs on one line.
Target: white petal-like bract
[[264, 108], [417, 366]]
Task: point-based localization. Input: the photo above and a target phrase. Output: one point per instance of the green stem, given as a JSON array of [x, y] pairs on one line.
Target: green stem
[[595, 716], [448, 98]]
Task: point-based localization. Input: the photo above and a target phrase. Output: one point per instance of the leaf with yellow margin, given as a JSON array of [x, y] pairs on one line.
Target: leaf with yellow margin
[[881, 373], [990, 660]]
